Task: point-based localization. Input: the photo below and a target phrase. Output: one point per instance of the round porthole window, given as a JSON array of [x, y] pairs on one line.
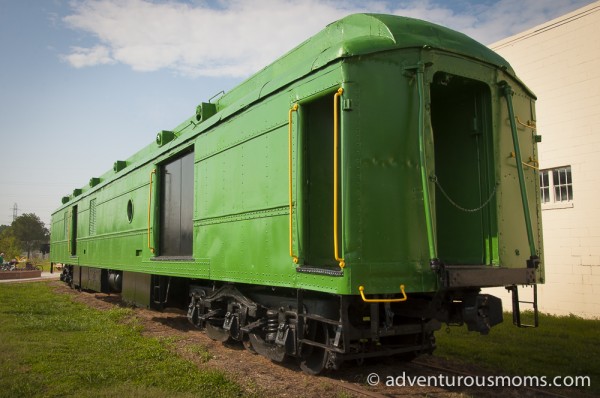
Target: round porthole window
[[130, 210]]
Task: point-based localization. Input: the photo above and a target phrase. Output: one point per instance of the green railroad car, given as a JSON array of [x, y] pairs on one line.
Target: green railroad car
[[340, 204]]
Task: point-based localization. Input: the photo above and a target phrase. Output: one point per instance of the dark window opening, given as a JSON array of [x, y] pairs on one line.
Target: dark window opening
[[130, 210], [74, 231]]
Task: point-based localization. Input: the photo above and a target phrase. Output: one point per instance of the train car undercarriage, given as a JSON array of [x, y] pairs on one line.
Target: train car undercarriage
[[320, 330]]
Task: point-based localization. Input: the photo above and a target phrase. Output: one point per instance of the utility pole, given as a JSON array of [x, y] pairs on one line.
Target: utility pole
[[15, 212]]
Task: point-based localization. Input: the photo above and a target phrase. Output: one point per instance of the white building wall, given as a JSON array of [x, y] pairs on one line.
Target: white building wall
[[560, 62]]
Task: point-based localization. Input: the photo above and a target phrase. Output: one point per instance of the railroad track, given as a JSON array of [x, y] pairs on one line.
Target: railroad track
[[422, 368], [538, 392]]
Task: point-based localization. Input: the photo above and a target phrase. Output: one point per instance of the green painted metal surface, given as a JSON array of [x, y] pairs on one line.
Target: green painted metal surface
[[240, 209]]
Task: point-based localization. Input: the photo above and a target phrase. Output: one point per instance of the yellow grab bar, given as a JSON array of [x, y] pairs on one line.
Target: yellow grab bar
[[361, 289], [530, 165], [150, 208], [293, 109], [336, 128], [529, 124], [532, 162]]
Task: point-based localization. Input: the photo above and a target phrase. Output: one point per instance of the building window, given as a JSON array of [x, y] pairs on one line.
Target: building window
[[556, 186], [545, 186]]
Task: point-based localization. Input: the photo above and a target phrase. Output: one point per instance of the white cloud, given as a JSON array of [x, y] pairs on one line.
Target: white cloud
[[235, 40], [489, 22], [239, 37], [81, 57]]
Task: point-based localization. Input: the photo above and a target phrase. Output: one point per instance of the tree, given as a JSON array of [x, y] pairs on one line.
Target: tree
[[29, 231], [9, 245]]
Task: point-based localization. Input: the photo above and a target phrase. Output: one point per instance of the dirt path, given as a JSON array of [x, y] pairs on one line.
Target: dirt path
[[258, 375]]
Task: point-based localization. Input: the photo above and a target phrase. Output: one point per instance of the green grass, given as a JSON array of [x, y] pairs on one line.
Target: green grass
[[561, 346], [53, 347], [45, 266], [200, 352]]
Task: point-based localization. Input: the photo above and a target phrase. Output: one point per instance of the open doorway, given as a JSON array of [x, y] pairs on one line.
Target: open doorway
[[466, 224], [317, 183]]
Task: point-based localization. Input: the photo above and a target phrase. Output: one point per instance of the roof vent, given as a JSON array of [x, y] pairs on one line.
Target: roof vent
[[119, 165], [163, 137], [205, 110], [77, 192], [64, 199], [94, 181]]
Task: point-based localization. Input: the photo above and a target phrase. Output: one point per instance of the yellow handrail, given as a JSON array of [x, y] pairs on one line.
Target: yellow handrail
[[528, 164], [293, 109], [534, 161], [149, 209], [336, 248], [529, 124], [361, 289]]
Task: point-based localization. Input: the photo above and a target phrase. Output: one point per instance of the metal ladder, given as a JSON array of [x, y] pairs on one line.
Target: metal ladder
[[516, 310]]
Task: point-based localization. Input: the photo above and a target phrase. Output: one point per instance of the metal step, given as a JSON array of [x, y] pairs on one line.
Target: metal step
[[516, 304]]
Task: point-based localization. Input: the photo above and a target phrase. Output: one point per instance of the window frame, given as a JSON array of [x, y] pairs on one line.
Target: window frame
[[550, 187]]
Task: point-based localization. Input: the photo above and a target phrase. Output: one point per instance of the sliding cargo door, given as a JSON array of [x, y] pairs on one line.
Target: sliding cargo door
[[177, 207]]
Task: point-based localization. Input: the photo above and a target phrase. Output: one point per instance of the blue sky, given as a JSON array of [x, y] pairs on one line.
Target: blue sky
[[85, 83]]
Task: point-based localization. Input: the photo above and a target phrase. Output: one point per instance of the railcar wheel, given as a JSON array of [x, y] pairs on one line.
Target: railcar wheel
[[217, 333], [248, 345], [314, 358]]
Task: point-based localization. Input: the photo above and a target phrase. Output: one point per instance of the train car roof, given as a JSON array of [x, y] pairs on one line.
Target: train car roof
[[359, 34], [356, 34]]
